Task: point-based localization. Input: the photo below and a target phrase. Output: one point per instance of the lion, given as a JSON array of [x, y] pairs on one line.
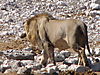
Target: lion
[[48, 33]]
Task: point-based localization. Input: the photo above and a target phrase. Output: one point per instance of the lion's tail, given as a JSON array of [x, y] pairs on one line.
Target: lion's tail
[[87, 43]]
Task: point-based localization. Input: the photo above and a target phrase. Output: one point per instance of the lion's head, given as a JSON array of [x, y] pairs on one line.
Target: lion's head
[[34, 30]]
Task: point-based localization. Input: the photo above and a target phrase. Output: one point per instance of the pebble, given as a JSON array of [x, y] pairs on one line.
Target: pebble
[[97, 1], [1, 53], [1, 61], [62, 3], [97, 51]]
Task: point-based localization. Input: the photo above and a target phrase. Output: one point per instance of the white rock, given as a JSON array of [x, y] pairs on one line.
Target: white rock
[[95, 6], [74, 55], [97, 51], [29, 66], [6, 61], [98, 58], [65, 53], [78, 68], [27, 62], [94, 12], [8, 70], [71, 61], [87, 52], [4, 33], [21, 70], [5, 67], [52, 69], [63, 67], [15, 64], [61, 3], [50, 65], [93, 1], [97, 17]]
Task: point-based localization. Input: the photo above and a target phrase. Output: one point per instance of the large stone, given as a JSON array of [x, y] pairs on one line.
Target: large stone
[[96, 67], [15, 64], [78, 68], [59, 58], [63, 67], [94, 13], [51, 68], [8, 71], [70, 61], [4, 67], [19, 55], [24, 70], [27, 62], [65, 53], [95, 6]]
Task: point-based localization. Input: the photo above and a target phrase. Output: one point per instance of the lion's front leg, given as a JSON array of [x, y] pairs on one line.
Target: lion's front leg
[[44, 58], [51, 50], [46, 54]]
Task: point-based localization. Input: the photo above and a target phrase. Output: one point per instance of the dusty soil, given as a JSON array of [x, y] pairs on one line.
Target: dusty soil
[[18, 44]]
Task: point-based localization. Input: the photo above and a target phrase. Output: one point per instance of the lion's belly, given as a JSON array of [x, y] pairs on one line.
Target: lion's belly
[[61, 44], [57, 33], [57, 38]]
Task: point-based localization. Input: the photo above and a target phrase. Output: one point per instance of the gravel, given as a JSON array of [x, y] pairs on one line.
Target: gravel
[[13, 13]]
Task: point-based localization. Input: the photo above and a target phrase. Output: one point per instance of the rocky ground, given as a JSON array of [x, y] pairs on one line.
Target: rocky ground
[[15, 55]]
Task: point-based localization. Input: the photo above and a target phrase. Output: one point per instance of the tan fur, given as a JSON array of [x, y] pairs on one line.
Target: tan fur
[[46, 32], [32, 25]]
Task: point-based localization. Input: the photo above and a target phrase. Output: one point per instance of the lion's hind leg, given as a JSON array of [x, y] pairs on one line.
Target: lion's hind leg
[[84, 57]]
